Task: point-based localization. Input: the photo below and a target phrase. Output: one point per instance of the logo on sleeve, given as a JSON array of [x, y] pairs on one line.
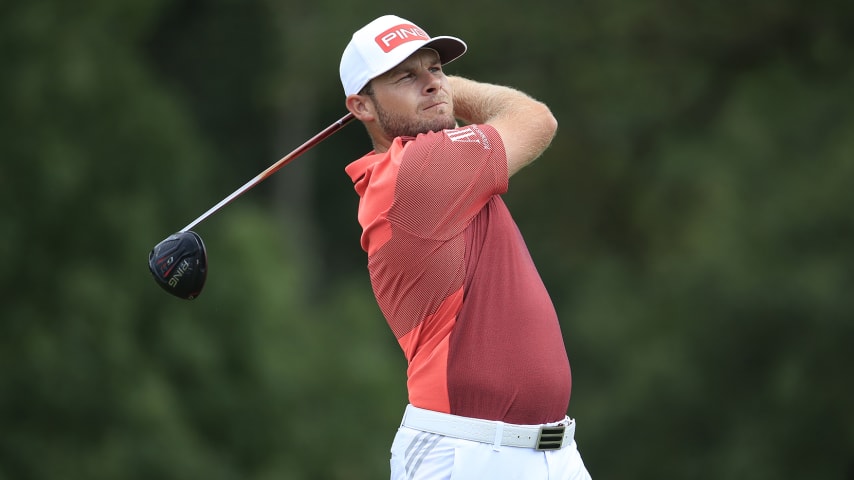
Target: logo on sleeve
[[469, 134]]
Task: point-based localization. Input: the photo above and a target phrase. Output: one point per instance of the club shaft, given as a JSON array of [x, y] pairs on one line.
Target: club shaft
[[322, 135]]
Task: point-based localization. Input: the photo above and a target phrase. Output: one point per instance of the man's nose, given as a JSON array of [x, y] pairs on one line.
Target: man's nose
[[432, 83]]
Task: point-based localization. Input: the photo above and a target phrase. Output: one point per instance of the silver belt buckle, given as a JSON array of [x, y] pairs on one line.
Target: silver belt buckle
[[550, 438]]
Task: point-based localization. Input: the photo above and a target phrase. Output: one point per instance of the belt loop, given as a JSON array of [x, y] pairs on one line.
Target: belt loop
[[499, 436]]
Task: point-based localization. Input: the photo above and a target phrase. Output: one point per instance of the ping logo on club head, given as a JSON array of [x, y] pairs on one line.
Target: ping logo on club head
[[175, 279]]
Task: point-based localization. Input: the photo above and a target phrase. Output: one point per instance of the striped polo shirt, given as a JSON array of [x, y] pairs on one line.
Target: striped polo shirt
[[455, 281]]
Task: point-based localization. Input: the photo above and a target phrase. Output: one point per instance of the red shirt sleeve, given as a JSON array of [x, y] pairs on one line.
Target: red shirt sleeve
[[446, 178]]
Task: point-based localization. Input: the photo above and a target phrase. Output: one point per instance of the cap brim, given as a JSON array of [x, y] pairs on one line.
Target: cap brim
[[449, 48]]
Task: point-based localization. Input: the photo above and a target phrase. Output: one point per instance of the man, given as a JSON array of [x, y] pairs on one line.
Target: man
[[488, 375]]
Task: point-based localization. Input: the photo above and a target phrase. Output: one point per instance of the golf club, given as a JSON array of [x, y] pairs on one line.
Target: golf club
[[179, 262]]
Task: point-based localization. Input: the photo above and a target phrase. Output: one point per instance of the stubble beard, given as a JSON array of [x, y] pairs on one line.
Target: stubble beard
[[397, 125]]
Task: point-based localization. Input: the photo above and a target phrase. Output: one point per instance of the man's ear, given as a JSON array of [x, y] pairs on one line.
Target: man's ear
[[361, 106]]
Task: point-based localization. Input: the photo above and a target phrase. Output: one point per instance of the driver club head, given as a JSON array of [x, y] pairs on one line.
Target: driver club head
[[179, 264]]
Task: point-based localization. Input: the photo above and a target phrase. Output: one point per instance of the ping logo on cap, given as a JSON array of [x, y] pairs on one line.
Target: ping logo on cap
[[397, 36]]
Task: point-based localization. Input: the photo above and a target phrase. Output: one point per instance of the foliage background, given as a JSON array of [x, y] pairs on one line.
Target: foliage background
[[692, 220]]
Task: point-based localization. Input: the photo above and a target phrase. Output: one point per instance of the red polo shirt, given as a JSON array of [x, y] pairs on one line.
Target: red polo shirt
[[455, 282]]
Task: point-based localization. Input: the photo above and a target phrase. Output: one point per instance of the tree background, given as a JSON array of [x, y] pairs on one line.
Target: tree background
[[692, 221]]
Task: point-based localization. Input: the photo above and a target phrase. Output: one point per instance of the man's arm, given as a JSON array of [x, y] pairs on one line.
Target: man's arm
[[526, 126]]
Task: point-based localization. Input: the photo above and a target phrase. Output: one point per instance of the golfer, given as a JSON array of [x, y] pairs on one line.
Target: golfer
[[488, 376]]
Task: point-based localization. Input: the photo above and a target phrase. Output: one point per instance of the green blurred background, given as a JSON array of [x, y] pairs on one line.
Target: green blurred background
[[693, 221]]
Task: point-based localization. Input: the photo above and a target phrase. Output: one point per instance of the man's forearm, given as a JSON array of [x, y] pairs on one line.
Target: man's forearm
[[526, 125], [478, 102]]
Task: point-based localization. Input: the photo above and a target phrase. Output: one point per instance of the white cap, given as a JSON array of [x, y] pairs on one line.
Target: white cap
[[385, 42]]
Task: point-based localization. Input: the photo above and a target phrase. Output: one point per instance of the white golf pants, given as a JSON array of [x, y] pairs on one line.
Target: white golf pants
[[418, 455]]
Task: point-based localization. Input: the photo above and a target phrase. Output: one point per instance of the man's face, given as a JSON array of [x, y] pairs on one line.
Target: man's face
[[414, 97]]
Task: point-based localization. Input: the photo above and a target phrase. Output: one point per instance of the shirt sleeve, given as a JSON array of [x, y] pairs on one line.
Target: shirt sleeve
[[446, 178]]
